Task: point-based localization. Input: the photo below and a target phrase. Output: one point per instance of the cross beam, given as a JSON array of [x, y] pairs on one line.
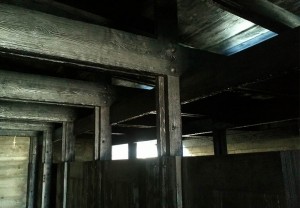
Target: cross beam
[[45, 89], [37, 112], [25, 126], [39, 35]]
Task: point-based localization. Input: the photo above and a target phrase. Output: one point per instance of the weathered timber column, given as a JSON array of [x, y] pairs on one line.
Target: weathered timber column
[[102, 133], [132, 150], [169, 140], [32, 168], [47, 164], [68, 155], [103, 148], [220, 142]]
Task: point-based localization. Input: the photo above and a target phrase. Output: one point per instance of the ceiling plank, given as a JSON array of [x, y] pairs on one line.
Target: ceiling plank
[[34, 34], [43, 89], [263, 13], [209, 74], [261, 62], [36, 112]]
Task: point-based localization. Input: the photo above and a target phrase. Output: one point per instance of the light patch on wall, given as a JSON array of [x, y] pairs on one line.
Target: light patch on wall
[[120, 152], [147, 149]]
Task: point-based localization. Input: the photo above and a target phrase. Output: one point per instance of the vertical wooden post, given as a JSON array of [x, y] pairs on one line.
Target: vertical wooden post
[[102, 134], [220, 143], [103, 148], [169, 140], [31, 192], [47, 163], [68, 155], [132, 150]]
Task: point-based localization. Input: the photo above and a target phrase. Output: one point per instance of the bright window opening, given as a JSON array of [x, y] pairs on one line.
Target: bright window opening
[[120, 152], [147, 149]]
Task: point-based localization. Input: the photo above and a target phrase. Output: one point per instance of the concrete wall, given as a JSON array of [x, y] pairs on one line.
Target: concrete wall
[[277, 139], [84, 150], [14, 154]]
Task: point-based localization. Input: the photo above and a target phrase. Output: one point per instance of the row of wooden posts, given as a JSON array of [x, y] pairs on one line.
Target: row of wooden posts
[[169, 145]]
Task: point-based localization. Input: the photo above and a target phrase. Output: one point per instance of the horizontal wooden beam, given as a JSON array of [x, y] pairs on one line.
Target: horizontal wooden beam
[[25, 126], [19, 133], [35, 34], [262, 12], [44, 89], [36, 112]]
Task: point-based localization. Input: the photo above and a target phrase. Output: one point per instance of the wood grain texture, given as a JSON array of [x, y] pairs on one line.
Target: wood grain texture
[[264, 13], [18, 133], [26, 126], [38, 88], [37, 112], [25, 31], [105, 134]]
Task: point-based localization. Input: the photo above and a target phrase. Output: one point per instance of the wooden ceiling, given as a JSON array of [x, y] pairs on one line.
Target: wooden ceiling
[[213, 87]]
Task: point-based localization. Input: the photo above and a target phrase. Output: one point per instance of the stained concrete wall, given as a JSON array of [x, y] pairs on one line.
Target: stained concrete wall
[[84, 150], [14, 154], [277, 139]]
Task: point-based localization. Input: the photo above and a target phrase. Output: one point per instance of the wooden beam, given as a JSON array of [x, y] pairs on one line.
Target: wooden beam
[[37, 112], [81, 14], [19, 133], [32, 176], [262, 12], [24, 126], [43, 89], [63, 40]]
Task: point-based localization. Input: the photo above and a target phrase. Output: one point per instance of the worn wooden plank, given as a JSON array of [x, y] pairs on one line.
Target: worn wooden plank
[[64, 40], [18, 133], [38, 112], [263, 13], [38, 88], [26, 126]]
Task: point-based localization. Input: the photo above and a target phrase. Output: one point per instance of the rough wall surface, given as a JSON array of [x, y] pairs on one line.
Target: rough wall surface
[[13, 171]]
